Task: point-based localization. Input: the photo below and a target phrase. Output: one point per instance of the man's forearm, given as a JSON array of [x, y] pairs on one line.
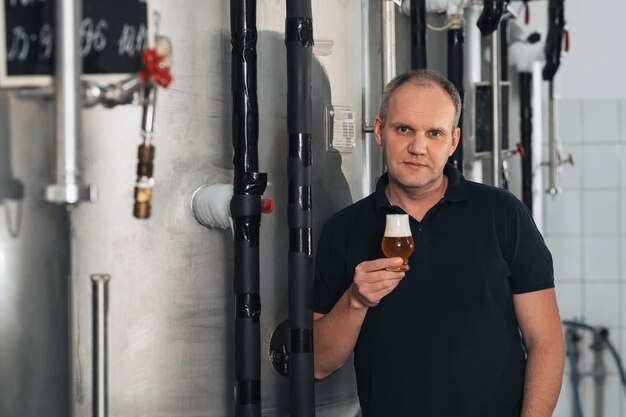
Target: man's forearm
[[544, 374], [335, 334]]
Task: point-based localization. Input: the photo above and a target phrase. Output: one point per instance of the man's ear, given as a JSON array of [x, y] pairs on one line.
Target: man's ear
[[378, 130], [456, 138]]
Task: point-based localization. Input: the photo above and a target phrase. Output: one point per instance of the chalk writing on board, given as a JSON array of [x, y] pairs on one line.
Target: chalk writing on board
[[23, 3], [132, 41], [111, 37], [21, 41]]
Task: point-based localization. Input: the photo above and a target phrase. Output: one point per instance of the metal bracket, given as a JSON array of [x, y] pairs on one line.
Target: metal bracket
[[280, 347]]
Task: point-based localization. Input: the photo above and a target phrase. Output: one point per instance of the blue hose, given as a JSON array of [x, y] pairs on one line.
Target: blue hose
[[614, 354], [569, 348]]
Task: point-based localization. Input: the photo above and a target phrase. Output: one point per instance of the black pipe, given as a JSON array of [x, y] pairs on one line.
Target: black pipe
[[504, 50], [456, 39], [490, 16], [526, 127], [554, 41], [418, 34], [299, 42], [245, 207]]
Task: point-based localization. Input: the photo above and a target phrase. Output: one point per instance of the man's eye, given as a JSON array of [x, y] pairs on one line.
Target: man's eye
[[435, 133], [403, 129]]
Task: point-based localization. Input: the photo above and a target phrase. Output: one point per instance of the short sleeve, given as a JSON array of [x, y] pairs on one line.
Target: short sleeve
[[331, 278], [526, 253]]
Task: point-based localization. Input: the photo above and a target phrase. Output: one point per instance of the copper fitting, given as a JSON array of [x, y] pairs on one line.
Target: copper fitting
[[145, 182]]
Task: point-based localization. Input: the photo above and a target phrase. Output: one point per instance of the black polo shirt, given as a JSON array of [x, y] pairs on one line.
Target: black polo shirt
[[445, 342]]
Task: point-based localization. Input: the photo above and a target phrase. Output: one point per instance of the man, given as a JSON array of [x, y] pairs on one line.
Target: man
[[442, 340]]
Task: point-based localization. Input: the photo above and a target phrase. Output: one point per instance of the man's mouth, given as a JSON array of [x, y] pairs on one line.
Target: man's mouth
[[414, 164]]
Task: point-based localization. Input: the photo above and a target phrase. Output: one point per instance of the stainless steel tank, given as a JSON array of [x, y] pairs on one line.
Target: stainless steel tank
[[34, 267], [171, 291]]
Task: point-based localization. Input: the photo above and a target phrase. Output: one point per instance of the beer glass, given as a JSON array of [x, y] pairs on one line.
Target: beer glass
[[398, 240]]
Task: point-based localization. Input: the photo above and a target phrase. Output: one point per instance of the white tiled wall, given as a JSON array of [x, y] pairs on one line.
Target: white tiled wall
[[585, 228]]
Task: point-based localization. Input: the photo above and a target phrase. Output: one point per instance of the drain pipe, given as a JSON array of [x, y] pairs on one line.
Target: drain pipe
[[100, 305], [418, 34], [299, 42], [68, 103], [245, 207], [553, 61]]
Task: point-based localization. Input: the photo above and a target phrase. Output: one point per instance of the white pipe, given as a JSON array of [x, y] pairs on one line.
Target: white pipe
[[367, 122], [473, 167], [496, 103], [100, 310], [553, 186], [211, 205], [388, 15], [68, 68], [389, 40]]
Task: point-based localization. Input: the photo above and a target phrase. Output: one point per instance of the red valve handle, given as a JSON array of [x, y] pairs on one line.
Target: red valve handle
[[267, 205], [567, 41], [521, 151], [155, 69]]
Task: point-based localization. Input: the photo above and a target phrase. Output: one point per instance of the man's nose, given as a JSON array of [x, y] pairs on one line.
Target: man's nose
[[417, 146]]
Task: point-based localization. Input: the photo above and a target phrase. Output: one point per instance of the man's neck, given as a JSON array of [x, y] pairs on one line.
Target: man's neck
[[416, 204]]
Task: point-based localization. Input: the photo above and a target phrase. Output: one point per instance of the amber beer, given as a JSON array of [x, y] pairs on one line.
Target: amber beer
[[398, 240]]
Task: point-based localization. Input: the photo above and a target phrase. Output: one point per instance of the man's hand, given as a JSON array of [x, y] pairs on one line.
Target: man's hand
[[372, 282], [335, 333]]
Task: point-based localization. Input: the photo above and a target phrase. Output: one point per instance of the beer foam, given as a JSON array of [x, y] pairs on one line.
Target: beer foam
[[397, 225]]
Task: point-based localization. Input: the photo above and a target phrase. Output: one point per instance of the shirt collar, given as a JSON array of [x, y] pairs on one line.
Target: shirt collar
[[455, 192]]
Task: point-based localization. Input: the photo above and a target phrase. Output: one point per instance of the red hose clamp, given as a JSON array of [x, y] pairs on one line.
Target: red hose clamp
[[155, 69]]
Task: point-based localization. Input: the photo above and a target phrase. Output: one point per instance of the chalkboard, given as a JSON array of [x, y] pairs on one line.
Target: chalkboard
[[113, 34], [483, 113]]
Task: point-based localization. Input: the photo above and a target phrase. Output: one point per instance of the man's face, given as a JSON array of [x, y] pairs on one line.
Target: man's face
[[417, 138]]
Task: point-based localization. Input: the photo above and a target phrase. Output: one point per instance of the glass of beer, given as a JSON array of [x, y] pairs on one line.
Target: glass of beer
[[398, 240]]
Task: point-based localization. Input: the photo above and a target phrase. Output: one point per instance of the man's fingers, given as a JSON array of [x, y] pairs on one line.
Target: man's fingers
[[378, 264], [372, 296], [374, 287], [378, 276], [381, 293]]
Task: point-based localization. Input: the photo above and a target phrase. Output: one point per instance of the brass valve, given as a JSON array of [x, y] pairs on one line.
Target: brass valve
[[145, 181]]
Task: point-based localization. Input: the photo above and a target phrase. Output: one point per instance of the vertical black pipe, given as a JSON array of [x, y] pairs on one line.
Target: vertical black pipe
[[554, 41], [456, 39], [526, 126], [299, 42], [418, 34], [245, 207], [504, 50]]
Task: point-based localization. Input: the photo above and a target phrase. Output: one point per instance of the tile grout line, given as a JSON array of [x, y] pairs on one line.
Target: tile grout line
[[583, 256], [620, 224]]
